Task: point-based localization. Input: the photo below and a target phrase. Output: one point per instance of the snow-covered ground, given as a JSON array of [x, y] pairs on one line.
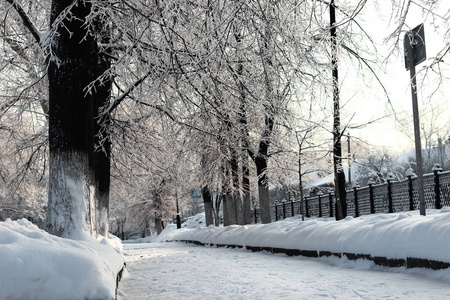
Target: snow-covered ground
[[37, 265], [178, 270], [186, 271]]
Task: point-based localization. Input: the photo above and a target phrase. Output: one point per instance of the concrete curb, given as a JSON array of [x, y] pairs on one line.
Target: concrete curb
[[408, 262]]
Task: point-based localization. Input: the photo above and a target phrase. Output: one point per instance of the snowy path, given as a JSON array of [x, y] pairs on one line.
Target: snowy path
[[181, 271]]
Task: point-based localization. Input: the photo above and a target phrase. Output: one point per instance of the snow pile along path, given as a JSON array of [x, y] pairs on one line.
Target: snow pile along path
[[393, 236], [37, 265]]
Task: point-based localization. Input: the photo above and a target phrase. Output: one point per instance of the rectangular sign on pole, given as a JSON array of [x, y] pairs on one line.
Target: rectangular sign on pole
[[414, 42], [415, 53]]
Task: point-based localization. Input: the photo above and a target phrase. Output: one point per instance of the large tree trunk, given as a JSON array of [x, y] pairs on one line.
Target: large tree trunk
[[261, 157], [339, 176], [158, 200], [229, 212], [102, 184], [239, 207], [218, 203], [246, 189], [263, 189], [237, 201], [228, 207], [246, 206], [207, 201], [158, 225], [340, 192], [206, 194], [225, 209], [101, 94], [102, 153], [71, 204]]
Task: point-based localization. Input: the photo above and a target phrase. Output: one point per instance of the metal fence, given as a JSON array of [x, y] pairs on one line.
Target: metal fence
[[389, 197]]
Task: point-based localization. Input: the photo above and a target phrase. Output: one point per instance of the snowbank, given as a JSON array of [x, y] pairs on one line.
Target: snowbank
[[192, 222], [394, 236], [37, 265]]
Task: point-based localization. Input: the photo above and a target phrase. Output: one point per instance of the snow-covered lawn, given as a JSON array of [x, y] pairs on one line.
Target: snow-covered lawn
[[37, 265]]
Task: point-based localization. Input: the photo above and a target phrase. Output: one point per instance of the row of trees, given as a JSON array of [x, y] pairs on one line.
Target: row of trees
[[149, 98]]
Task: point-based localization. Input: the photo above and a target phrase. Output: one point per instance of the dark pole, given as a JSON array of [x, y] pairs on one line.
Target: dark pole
[[372, 198], [300, 184], [178, 213], [349, 158], [276, 212], [389, 191], [330, 198], [412, 74], [292, 207], [306, 207], [355, 196], [410, 193], [320, 204], [437, 189], [339, 177]]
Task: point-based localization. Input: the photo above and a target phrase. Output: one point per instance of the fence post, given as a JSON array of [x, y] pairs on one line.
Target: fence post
[[284, 209], [306, 207], [319, 194], [292, 207], [410, 174], [330, 197], [256, 217], [355, 196], [371, 197], [389, 179], [276, 211], [437, 191]]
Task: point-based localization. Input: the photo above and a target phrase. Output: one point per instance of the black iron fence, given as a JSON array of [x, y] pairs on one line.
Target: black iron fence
[[391, 196]]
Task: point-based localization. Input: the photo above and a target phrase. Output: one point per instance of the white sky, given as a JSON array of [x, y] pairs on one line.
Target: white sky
[[370, 102]]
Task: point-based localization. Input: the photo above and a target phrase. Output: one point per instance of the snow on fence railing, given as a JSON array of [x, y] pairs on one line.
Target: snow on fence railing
[[391, 196]]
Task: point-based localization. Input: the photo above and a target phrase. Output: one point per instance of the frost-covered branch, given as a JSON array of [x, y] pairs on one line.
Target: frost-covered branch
[[27, 21]]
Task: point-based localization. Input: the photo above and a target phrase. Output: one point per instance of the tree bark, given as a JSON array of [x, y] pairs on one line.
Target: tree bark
[[158, 225], [263, 189], [218, 201], [339, 176], [158, 200], [71, 204], [102, 140], [102, 185], [262, 156], [246, 189], [245, 207], [228, 207], [206, 195], [225, 209], [237, 206]]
